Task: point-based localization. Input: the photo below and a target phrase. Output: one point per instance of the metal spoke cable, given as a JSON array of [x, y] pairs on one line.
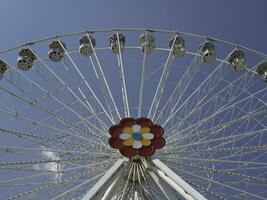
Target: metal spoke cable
[[142, 80], [86, 83], [103, 80], [34, 137], [221, 126], [222, 184], [181, 86], [161, 84], [219, 111], [60, 102], [61, 118], [209, 78], [215, 95], [122, 79]]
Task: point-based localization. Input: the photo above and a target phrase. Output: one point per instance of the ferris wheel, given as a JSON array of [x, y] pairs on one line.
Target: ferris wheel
[[132, 114]]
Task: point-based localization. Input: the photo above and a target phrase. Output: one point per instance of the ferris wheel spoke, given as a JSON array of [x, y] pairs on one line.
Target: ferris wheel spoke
[[76, 187], [60, 182], [35, 104], [231, 137], [219, 111], [181, 87], [240, 109], [83, 80], [105, 87], [212, 150], [207, 191], [142, 81], [237, 162], [221, 171], [66, 160], [31, 177], [221, 126], [124, 192], [29, 151], [68, 88], [9, 149], [122, 79], [225, 94], [38, 138], [89, 171], [259, 123], [161, 84], [207, 84], [65, 105], [222, 184], [46, 126]]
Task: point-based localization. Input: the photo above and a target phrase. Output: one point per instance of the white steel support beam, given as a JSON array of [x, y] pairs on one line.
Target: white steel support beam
[[164, 189], [176, 182], [162, 185], [102, 185], [112, 188]]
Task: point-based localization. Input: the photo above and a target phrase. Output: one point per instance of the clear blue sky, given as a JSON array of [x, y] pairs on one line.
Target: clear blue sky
[[240, 21]]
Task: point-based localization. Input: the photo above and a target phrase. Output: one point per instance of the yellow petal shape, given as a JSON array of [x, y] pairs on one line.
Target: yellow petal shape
[[128, 130], [145, 142], [128, 142], [145, 130]]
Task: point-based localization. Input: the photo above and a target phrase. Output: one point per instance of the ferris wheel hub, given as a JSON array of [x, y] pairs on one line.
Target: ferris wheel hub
[[136, 137]]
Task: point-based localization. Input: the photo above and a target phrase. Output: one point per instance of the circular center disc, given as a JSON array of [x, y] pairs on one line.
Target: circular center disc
[[137, 136]]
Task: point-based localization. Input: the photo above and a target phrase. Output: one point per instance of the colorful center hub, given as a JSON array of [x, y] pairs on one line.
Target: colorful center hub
[[136, 137]]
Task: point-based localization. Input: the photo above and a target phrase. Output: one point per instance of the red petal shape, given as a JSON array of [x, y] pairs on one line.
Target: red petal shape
[[146, 151], [115, 130], [157, 130], [158, 142], [115, 143], [144, 122], [127, 122], [128, 151]]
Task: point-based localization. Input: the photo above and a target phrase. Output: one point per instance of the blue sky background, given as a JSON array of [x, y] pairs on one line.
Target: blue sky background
[[240, 21]]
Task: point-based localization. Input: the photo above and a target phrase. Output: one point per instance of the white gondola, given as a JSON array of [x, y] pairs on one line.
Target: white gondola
[[25, 59], [3, 68], [116, 45], [262, 70], [147, 42], [237, 59], [87, 45], [207, 52], [178, 46], [56, 51]]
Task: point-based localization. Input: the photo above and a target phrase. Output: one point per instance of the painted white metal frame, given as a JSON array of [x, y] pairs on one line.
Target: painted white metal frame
[[103, 187], [176, 182]]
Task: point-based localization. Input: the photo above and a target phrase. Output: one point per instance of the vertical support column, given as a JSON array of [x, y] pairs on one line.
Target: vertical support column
[[102, 185], [164, 189], [176, 182]]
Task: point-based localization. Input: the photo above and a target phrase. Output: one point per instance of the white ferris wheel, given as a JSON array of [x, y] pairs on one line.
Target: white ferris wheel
[[132, 114]]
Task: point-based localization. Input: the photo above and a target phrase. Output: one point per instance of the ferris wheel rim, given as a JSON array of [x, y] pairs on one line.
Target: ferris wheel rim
[[91, 31]]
